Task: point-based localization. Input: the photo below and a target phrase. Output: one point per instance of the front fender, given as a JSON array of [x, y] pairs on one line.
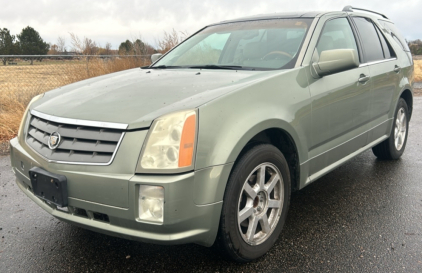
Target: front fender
[[228, 123]]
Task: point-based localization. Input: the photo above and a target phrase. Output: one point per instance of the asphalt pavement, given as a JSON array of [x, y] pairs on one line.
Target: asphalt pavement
[[365, 216]]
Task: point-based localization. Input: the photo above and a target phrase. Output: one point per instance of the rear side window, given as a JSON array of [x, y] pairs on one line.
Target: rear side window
[[337, 34], [396, 34], [372, 49], [388, 51]]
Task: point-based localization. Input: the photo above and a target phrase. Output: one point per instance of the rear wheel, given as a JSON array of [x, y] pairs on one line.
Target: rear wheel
[[255, 203], [393, 147]]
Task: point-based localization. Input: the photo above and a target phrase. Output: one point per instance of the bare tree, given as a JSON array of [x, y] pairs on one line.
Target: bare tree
[[89, 47], [170, 40], [108, 49], [61, 44], [53, 50], [76, 43], [85, 46]]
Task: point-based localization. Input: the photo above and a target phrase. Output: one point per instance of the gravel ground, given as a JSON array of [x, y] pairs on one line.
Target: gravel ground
[[417, 88], [4, 148], [365, 216]]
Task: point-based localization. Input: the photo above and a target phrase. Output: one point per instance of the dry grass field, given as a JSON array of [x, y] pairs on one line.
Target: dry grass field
[[20, 83], [418, 70]]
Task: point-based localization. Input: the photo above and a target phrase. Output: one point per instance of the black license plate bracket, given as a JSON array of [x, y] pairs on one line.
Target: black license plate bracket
[[49, 186]]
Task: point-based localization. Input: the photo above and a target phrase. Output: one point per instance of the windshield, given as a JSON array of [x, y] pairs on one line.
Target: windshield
[[261, 45]]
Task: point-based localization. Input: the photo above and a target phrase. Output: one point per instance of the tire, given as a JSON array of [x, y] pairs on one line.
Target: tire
[[393, 147], [261, 208]]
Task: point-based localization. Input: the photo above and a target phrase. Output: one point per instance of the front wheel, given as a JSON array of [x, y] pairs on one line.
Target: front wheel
[[255, 203], [393, 147]]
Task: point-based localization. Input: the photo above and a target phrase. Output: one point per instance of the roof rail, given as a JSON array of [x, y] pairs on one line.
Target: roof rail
[[350, 9]]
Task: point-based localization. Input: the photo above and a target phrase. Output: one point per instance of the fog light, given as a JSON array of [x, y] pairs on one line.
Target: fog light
[[151, 203]]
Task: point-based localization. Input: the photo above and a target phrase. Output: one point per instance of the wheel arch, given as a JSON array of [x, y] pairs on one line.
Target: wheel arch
[[408, 97], [283, 139]]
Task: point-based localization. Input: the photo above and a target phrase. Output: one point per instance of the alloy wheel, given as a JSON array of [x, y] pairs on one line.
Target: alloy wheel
[[260, 204], [400, 129]]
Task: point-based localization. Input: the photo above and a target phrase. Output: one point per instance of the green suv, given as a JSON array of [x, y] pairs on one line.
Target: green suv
[[206, 145]]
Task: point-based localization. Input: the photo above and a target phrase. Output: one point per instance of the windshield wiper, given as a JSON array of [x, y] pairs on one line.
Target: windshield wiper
[[207, 66], [213, 66], [164, 67]]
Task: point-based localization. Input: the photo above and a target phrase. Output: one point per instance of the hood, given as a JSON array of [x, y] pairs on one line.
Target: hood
[[136, 97]]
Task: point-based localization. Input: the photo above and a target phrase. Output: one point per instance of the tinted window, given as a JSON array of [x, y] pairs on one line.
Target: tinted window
[[337, 34], [388, 51], [397, 35], [397, 40], [372, 50]]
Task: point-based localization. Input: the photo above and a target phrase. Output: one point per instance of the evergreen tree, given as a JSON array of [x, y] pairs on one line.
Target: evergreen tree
[[126, 48], [8, 45], [31, 43]]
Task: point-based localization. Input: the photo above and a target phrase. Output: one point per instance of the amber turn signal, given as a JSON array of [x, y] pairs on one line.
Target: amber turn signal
[[187, 143]]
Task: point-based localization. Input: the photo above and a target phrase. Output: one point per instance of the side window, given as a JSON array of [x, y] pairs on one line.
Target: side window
[[397, 40], [337, 34], [386, 47], [372, 49], [396, 34]]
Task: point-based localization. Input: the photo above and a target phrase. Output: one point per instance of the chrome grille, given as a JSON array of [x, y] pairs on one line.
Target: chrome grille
[[79, 144]]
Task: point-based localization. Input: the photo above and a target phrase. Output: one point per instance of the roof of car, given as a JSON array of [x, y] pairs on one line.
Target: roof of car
[[307, 14], [279, 15]]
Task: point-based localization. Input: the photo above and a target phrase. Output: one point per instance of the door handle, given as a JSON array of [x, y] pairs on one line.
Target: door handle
[[363, 78], [397, 69]]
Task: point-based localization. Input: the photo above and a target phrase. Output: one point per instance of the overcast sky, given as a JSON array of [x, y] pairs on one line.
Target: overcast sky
[[115, 21]]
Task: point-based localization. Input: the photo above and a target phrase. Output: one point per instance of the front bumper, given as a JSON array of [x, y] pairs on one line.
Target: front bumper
[[192, 208]]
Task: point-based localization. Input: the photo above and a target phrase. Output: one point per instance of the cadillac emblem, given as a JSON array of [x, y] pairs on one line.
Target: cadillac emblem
[[54, 140]]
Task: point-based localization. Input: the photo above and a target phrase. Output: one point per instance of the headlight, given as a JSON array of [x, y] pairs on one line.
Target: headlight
[[170, 144], [151, 203], [21, 126]]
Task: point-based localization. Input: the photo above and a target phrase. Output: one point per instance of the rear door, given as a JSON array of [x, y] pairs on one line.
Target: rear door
[[385, 72], [340, 102]]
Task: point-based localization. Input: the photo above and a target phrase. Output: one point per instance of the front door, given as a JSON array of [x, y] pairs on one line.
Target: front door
[[340, 103]]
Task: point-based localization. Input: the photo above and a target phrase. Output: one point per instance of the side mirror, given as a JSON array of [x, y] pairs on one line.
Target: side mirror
[[337, 60], [155, 57]]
